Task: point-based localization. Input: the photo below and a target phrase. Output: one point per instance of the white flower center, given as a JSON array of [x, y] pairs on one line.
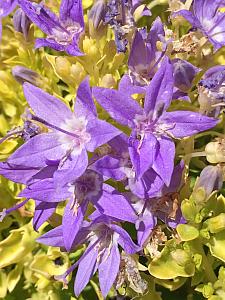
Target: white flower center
[[78, 138], [64, 36]]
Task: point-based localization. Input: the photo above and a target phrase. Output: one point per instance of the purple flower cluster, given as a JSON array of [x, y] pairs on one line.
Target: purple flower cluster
[[134, 178]]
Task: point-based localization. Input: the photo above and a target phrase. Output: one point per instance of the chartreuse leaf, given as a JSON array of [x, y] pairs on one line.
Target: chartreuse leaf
[[173, 262], [207, 290], [216, 245], [3, 285], [189, 210], [171, 285], [14, 277], [18, 244], [187, 232], [215, 224], [46, 266]]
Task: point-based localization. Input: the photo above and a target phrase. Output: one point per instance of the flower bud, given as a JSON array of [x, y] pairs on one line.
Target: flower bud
[[62, 66], [78, 72], [183, 73], [97, 13], [21, 22], [215, 151], [22, 74], [108, 81], [211, 179]]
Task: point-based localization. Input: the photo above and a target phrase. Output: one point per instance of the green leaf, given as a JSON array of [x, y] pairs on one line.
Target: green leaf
[[172, 263], [14, 277], [217, 245], [3, 284], [187, 232]]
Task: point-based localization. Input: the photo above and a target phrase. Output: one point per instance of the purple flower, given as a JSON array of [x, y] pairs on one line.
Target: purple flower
[[119, 15], [29, 176], [207, 18], [63, 32], [208, 186], [184, 73], [117, 165], [211, 91], [23, 74], [102, 253], [87, 188], [21, 22], [144, 56], [150, 143], [70, 134], [166, 208]]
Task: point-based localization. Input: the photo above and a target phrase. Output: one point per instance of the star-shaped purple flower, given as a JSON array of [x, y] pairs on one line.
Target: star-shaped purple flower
[[207, 18], [102, 253], [63, 32], [88, 188], [166, 208], [152, 127], [70, 134], [117, 165]]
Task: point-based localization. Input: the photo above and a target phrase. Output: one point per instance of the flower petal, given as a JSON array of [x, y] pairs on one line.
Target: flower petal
[[16, 173], [72, 10], [160, 90], [144, 226], [43, 211], [73, 167], [188, 15], [120, 106], [142, 153], [46, 106], [42, 42], [101, 132], [72, 221], [108, 269], [113, 204], [86, 270], [127, 87], [40, 15], [141, 55], [45, 190], [148, 186], [125, 240], [52, 238], [164, 161], [109, 167], [84, 105], [187, 123], [37, 151]]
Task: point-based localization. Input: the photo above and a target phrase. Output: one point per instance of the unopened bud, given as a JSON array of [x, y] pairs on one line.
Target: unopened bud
[[108, 81], [78, 72], [183, 73], [211, 179], [21, 22], [62, 66], [97, 13], [215, 151], [22, 74]]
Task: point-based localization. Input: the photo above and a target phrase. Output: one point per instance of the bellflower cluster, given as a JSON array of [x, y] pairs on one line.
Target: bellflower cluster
[[117, 170]]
